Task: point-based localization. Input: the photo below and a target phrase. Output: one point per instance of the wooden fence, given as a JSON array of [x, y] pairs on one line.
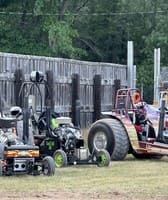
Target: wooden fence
[[63, 70]]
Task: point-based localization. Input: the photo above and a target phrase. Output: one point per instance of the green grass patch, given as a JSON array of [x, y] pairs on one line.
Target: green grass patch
[[140, 178]]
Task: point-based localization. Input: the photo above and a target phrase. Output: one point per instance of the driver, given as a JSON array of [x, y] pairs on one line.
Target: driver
[[140, 120], [17, 113]]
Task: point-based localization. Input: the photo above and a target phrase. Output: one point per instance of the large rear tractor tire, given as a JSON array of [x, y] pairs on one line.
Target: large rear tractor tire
[[48, 166], [109, 134]]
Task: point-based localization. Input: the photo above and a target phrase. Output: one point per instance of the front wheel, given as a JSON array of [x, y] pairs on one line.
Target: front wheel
[[60, 158], [103, 158], [48, 166]]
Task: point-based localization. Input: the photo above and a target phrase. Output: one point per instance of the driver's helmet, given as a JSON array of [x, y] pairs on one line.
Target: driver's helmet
[[15, 111], [139, 105]]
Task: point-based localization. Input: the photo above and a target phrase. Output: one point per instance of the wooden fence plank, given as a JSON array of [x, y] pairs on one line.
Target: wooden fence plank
[[62, 72]]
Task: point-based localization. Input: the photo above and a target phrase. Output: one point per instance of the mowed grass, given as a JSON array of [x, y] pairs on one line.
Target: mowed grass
[[139, 178]]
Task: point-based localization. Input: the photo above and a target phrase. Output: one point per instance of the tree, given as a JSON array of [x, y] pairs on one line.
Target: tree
[[88, 30], [59, 25]]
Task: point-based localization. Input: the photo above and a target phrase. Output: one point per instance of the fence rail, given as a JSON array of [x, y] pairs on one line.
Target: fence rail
[[62, 70]]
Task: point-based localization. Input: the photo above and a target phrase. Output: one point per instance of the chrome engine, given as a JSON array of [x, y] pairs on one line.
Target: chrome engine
[[68, 136]]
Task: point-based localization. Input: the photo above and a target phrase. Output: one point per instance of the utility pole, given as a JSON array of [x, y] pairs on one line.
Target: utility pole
[[156, 75], [131, 72]]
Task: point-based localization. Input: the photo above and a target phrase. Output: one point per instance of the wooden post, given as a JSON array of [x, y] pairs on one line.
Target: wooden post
[[26, 116], [49, 90], [75, 115], [96, 97], [18, 80], [117, 86]]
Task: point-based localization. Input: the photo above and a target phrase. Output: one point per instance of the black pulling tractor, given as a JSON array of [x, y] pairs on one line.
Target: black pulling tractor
[[18, 155], [55, 135]]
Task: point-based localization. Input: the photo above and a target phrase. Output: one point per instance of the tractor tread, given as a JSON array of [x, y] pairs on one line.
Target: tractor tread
[[121, 144]]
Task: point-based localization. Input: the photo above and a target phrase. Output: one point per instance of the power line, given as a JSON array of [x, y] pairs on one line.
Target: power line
[[88, 14]]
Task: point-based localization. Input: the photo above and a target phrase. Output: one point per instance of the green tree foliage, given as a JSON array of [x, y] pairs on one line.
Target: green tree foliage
[[58, 23], [88, 30]]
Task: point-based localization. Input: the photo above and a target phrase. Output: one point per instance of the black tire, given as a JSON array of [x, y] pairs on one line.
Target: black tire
[[1, 168], [48, 166], [113, 138], [60, 158], [103, 158], [2, 146]]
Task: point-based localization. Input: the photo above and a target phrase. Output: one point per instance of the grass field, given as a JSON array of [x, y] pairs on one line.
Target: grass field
[[130, 179]]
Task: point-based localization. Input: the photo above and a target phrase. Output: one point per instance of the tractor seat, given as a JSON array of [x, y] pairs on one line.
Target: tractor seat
[[39, 136], [7, 122], [38, 139]]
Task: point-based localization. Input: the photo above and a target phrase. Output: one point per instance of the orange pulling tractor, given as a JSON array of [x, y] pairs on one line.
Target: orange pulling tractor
[[131, 127]]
